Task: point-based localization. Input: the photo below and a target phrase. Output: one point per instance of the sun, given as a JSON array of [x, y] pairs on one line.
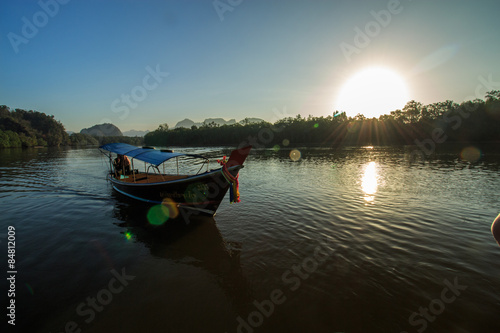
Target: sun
[[372, 92]]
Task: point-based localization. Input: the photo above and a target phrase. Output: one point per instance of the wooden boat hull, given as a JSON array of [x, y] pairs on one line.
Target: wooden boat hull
[[201, 193]]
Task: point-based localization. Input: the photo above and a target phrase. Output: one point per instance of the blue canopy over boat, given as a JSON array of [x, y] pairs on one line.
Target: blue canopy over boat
[[149, 155]]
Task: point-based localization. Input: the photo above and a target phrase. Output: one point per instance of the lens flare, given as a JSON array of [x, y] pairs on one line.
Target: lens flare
[[128, 235], [30, 289], [171, 205], [158, 215], [197, 192], [286, 142], [471, 154], [295, 155]]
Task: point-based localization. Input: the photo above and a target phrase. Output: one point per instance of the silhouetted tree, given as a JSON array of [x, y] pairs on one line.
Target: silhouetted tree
[[30, 128], [472, 121]]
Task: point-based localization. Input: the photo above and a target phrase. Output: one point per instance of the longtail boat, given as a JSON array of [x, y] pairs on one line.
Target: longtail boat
[[181, 186]]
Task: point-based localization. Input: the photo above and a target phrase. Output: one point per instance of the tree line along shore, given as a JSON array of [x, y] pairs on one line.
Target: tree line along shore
[[473, 121], [21, 128]]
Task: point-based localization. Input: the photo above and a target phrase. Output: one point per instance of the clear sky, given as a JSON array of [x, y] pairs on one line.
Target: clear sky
[[141, 63]]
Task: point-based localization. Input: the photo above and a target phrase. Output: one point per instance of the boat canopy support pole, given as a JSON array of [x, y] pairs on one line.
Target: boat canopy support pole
[[133, 170], [110, 164], [109, 156], [160, 173]]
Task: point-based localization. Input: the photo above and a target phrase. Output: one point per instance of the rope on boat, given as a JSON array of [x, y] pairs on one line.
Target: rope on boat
[[234, 189]]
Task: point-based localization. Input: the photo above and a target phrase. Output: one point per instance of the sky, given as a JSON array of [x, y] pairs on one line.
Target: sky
[[138, 64]]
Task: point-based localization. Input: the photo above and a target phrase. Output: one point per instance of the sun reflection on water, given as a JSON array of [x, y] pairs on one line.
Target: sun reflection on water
[[369, 182]]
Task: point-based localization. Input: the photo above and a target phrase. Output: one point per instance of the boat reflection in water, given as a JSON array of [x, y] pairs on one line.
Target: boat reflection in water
[[176, 237], [192, 267]]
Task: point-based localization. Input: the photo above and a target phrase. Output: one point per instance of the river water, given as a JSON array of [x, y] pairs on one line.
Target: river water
[[346, 240]]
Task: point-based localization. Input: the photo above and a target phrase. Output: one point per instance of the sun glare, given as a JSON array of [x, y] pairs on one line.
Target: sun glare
[[369, 181], [372, 92]]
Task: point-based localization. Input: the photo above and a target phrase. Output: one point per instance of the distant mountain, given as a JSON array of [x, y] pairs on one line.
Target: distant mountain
[[102, 130], [135, 133], [187, 123], [251, 120], [219, 121]]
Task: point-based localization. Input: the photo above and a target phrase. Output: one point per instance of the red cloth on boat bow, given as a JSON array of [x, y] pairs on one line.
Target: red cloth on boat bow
[[234, 193]]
